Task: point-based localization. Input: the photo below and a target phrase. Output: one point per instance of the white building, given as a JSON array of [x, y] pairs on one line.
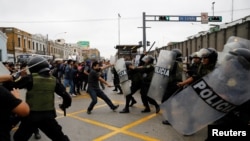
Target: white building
[[3, 48], [39, 44]]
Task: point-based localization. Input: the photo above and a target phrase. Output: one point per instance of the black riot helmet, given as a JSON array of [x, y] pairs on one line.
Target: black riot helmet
[[178, 54], [38, 64], [243, 55], [149, 59], [209, 53]]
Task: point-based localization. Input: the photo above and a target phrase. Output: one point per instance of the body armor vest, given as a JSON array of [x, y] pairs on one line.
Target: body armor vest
[[41, 96]]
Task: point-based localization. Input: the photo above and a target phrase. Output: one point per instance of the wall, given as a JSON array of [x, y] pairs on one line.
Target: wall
[[215, 39]]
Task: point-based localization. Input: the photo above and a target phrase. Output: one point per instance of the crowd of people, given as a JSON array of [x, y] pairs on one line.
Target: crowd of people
[[38, 112]]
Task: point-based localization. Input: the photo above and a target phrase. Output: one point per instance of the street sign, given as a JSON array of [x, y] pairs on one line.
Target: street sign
[[187, 18], [204, 18]]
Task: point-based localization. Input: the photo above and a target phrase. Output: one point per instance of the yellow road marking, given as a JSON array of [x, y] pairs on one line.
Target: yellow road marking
[[124, 130], [115, 130]]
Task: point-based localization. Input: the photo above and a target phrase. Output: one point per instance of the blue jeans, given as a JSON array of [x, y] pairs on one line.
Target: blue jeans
[[94, 93], [70, 83]]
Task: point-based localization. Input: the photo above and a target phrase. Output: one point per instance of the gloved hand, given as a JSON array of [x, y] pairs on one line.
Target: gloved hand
[[16, 76]]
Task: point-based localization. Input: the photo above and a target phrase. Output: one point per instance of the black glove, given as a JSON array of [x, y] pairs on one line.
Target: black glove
[[16, 76]]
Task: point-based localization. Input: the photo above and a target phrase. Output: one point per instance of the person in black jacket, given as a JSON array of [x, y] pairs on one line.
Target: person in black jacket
[[116, 81], [10, 103]]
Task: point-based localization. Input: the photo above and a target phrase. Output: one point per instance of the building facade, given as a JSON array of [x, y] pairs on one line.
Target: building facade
[[3, 48], [18, 41]]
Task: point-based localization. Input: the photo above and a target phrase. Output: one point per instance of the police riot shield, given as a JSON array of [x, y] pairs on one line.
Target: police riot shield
[[161, 75], [3, 69], [110, 74], [233, 42], [211, 97], [121, 69], [137, 60]]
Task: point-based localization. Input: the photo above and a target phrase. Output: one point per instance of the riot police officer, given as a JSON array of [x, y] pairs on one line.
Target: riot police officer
[[147, 71], [195, 63], [209, 58], [174, 76], [241, 115], [40, 98]]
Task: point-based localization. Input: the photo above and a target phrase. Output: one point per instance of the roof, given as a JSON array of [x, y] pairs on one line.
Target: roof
[[132, 47]]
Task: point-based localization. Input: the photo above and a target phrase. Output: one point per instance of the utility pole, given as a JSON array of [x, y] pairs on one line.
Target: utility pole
[[119, 17], [144, 31], [232, 10]]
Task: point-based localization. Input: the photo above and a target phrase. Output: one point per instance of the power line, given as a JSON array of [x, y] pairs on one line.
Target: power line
[[70, 21], [98, 20]]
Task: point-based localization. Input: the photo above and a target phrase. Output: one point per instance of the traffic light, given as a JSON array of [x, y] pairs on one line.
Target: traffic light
[[140, 43], [163, 18], [148, 43], [215, 19]]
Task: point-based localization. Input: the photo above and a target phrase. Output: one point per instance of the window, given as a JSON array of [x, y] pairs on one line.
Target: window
[[19, 42], [29, 44], [33, 46], [36, 46], [24, 43]]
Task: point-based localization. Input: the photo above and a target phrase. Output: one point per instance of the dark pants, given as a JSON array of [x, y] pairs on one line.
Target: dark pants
[[134, 88], [48, 126], [94, 93], [169, 92], [85, 83], [145, 99]]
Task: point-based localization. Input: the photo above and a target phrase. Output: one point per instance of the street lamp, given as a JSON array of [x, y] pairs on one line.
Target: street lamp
[[232, 10], [119, 17], [213, 7], [59, 34]]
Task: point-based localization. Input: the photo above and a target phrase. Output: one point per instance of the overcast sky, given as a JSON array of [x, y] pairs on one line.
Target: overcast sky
[[96, 21]]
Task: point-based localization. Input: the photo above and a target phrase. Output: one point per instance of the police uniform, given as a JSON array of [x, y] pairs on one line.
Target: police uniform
[[147, 72], [40, 98], [135, 78], [175, 76]]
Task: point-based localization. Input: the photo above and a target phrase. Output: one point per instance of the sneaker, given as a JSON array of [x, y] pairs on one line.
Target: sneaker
[[73, 95], [115, 107]]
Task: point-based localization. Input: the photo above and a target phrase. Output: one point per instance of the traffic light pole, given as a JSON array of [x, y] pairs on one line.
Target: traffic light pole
[[174, 18], [144, 31]]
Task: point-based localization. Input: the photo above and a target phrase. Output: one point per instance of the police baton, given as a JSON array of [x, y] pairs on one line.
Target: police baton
[[32, 66]]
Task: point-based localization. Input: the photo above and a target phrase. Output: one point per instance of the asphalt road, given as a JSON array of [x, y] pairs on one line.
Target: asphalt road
[[106, 125]]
